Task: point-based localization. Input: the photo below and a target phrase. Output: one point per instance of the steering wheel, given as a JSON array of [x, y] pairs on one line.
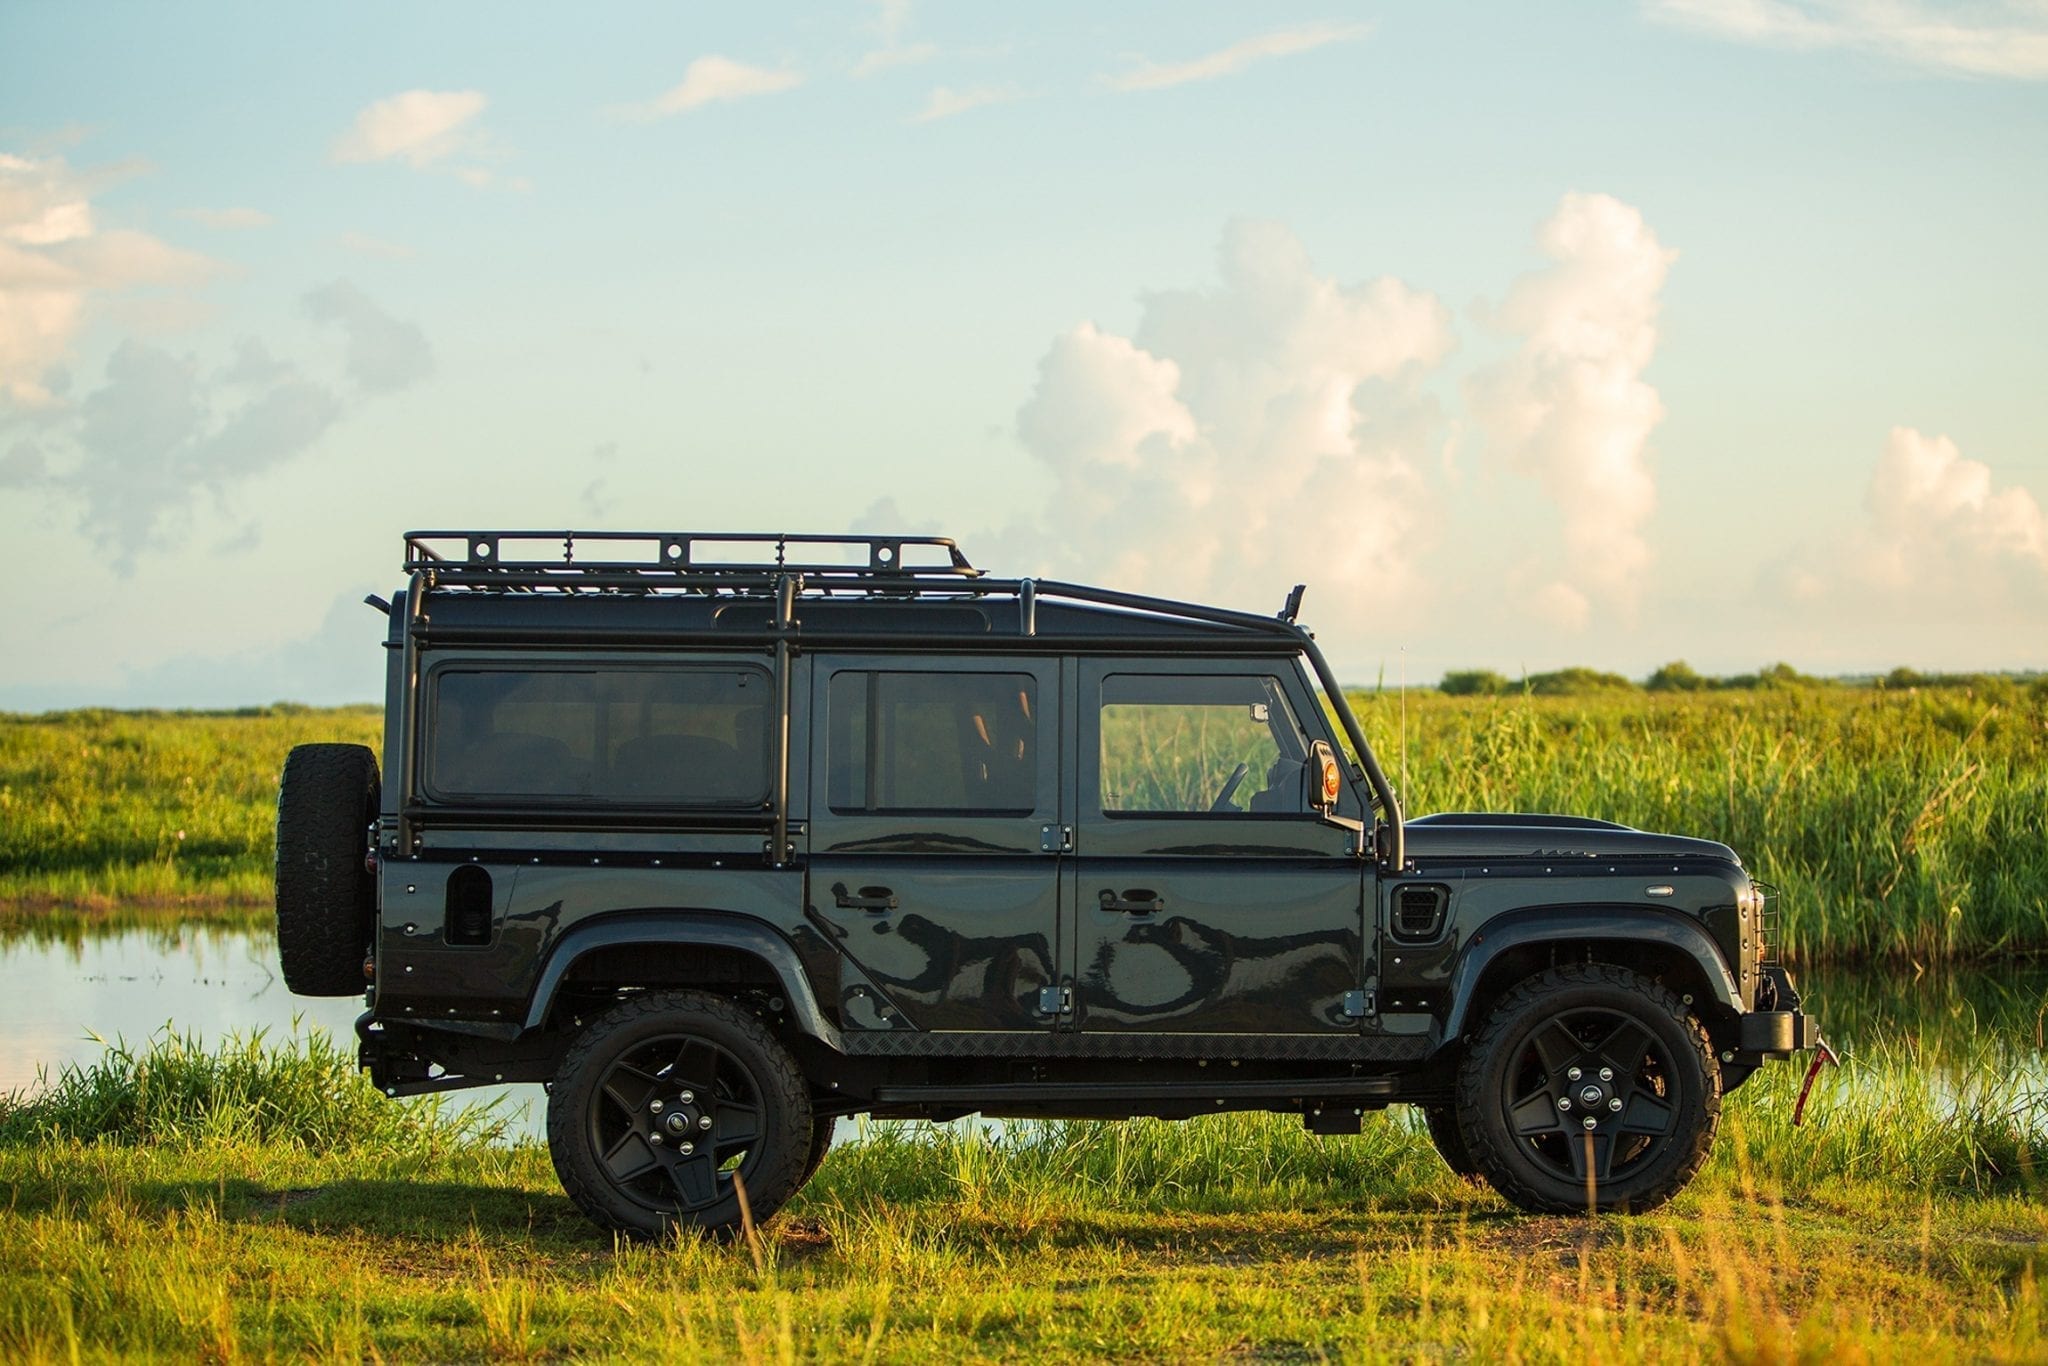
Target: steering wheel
[[1237, 775]]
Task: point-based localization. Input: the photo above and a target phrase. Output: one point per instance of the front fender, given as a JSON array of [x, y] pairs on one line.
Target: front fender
[[711, 929], [1584, 925]]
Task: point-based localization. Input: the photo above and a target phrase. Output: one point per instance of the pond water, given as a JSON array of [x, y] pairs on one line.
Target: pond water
[[60, 996]]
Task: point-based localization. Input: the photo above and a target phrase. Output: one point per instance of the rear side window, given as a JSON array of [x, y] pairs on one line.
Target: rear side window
[[933, 742], [638, 736]]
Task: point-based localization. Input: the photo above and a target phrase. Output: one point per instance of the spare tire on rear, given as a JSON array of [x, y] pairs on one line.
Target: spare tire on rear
[[326, 899]]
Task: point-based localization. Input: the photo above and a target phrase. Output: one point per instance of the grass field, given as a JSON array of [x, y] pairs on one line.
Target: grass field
[[1908, 824], [104, 810], [262, 1203]]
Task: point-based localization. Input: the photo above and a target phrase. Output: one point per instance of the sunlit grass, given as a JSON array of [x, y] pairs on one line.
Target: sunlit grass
[[1902, 1222], [104, 809]]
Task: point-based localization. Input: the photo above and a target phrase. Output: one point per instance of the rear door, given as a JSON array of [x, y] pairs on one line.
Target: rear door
[[1208, 897], [935, 852]]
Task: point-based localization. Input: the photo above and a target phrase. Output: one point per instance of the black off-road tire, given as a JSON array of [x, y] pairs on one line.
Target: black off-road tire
[[326, 898], [625, 1082], [1589, 1016], [1449, 1139]]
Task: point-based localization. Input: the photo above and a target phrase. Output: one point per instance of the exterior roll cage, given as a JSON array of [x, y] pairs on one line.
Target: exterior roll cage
[[690, 564]]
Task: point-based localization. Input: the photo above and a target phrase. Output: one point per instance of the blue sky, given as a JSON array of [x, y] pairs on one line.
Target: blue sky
[[1526, 335]]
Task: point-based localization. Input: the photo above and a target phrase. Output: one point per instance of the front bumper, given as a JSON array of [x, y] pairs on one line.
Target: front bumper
[[1782, 1030]]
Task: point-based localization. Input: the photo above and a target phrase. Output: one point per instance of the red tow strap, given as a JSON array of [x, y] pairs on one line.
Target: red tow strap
[[1822, 1055]]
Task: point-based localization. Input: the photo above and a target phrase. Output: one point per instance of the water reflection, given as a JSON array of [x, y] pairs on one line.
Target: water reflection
[[2005, 1007], [60, 994]]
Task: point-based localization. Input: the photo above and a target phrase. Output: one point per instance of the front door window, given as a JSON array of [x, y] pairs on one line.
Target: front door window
[[1219, 746]]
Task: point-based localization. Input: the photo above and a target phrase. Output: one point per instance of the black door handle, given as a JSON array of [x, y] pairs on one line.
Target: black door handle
[[866, 899], [1135, 900]]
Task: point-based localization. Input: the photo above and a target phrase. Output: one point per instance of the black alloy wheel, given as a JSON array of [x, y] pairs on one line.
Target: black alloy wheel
[[1589, 1087], [667, 1105]]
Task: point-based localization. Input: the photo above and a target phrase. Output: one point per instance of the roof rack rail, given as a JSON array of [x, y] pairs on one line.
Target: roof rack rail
[[655, 558]]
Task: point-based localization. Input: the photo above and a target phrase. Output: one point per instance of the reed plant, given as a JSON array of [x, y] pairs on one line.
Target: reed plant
[[1899, 824], [304, 1090], [1909, 826]]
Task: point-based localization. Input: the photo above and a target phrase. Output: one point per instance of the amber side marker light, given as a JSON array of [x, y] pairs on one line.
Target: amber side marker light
[[1330, 782]]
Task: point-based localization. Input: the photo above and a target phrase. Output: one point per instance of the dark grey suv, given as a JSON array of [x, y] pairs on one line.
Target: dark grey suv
[[724, 837]]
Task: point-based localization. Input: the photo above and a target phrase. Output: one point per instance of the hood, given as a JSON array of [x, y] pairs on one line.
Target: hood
[[1469, 834]]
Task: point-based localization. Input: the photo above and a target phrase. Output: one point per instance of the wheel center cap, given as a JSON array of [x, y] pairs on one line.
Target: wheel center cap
[[676, 1122], [1590, 1096]]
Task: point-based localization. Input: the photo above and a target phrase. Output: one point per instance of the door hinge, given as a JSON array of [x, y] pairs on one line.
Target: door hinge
[[1359, 1004], [1056, 839], [1055, 1000]]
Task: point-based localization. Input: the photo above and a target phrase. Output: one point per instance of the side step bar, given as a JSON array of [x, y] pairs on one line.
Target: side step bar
[[993, 1097]]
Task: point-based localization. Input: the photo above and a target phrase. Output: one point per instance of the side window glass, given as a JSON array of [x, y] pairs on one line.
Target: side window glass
[[1186, 746], [937, 742], [668, 737]]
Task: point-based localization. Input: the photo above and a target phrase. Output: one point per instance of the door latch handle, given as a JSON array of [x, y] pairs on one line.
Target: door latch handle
[[866, 899], [1135, 900]]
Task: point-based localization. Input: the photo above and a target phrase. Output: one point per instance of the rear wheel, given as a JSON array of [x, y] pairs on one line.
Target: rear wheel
[[667, 1106], [1590, 1087], [326, 898]]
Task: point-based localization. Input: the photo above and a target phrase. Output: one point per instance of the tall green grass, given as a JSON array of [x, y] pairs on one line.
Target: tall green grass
[[106, 808], [1905, 825], [1900, 824], [304, 1091]]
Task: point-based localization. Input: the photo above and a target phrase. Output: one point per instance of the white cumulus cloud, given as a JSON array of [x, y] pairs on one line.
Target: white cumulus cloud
[[945, 101], [55, 259], [1998, 38], [891, 58], [138, 453], [233, 219], [1228, 61], [1941, 563], [363, 244], [712, 80], [891, 18], [1570, 409], [1245, 437], [419, 127], [1936, 522]]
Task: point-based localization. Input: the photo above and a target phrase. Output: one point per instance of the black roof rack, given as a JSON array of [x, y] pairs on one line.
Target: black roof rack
[[650, 560]]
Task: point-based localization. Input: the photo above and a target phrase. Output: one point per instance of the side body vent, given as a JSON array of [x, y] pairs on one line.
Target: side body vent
[[1418, 913]]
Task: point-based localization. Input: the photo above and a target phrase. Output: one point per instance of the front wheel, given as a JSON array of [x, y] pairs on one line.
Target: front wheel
[[1590, 1087], [670, 1103]]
